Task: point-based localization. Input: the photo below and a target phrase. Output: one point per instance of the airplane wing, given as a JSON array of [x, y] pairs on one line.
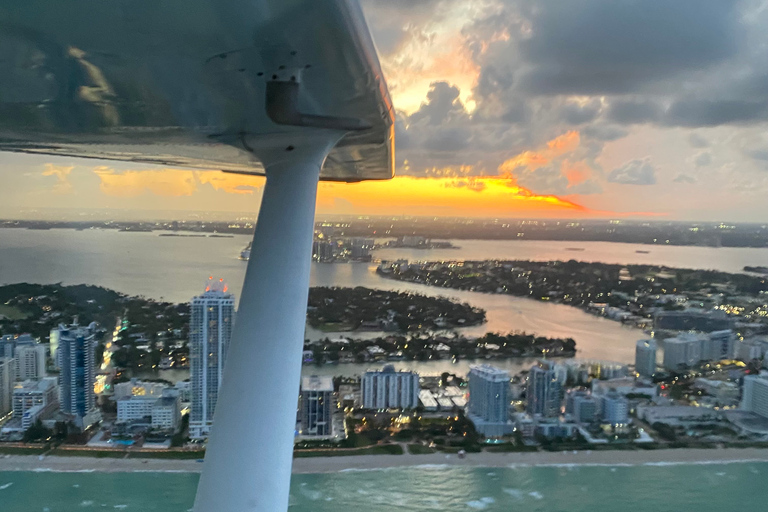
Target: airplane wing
[[183, 82]]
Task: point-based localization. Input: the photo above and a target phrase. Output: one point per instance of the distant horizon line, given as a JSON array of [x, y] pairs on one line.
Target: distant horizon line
[[90, 215]]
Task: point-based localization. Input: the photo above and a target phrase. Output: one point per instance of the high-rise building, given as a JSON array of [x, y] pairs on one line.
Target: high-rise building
[[211, 320], [645, 357], [76, 354], [30, 361], [316, 406], [166, 413], [323, 250], [162, 412], [389, 389], [545, 391], [584, 408], [488, 400], [7, 345], [747, 350], [360, 248], [615, 409], [54, 347], [682, 351], [7, 379], [754, 397], [10, 343], [135, 407], [35, 399], [722, 343]]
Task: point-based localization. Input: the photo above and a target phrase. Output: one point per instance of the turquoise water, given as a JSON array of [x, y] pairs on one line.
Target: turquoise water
[[647, 488]]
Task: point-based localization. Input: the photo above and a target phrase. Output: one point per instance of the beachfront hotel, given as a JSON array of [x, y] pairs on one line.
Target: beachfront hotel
[[390, 389], [489, 400], [755, 395], [316, 406]]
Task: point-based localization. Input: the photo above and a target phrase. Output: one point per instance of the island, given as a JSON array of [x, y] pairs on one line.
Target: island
[[637, 295], [349, 309], [436, 347]]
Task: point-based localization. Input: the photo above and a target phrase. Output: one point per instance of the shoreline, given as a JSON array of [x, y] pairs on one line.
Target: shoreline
[[662, 457]]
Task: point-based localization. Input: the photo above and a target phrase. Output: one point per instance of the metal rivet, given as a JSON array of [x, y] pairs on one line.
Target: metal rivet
[[289, 148], [281, 67], [260, 73]]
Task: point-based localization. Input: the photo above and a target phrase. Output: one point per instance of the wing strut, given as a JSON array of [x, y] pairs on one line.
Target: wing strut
[[249, 455]]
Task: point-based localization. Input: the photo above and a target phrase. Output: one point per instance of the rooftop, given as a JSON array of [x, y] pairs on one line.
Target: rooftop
[[35, 385], [317, 383], [489, 372]]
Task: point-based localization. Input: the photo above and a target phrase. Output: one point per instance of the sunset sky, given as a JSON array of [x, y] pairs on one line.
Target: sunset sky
[[517, 108]]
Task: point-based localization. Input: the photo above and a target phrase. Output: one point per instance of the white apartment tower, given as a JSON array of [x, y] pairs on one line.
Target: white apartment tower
[[645, 357], [755, 396], [7, 379], [489, 400], [388, 389], [30, 362], [682, 351], [212, 316], [721, 344]]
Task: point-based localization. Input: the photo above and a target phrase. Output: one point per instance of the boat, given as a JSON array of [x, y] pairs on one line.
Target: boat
[[245, 254], [642, 252], [574, 248]]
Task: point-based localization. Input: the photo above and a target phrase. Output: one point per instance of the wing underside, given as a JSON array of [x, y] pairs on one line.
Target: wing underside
[[182, 83]]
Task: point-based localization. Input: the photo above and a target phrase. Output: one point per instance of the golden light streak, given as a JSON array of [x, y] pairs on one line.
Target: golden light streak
[[160, 182], [479, 196], [63, 185]]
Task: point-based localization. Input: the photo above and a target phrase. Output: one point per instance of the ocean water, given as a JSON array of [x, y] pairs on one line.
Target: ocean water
[[644, 488]]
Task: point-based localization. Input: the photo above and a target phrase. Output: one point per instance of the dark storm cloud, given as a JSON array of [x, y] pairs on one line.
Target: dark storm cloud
[[443, 104], [618, 46], [575, 113], [633, 111], [670, 63], [601, 67], [448, 139], [693, 113], [604, 132]]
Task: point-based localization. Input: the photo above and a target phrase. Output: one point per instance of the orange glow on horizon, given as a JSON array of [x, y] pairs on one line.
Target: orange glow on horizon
[[467, 196]]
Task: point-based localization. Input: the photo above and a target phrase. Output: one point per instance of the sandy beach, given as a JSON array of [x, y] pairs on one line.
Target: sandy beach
[[367, 462]]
